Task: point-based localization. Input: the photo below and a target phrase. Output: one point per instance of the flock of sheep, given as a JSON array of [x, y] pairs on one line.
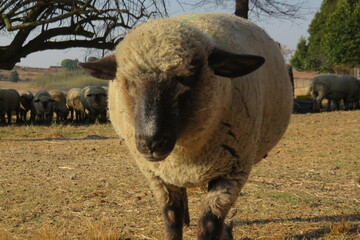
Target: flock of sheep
[[78, 105], [90, 103]]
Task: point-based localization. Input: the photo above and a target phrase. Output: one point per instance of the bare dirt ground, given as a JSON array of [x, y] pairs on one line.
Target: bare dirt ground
[[78, 182]]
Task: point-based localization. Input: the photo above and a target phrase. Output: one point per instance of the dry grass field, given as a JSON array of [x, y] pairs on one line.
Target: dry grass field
[[65, 182], [35, 79], [78, 182]]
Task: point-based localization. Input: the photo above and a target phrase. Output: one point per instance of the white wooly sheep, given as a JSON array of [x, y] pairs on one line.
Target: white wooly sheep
[[75, 105], [42, 109], [59, 106], [188, 114], [94, 100]]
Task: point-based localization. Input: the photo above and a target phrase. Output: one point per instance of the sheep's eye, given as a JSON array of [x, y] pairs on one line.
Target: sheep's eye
[[185, 80], [89, 95]]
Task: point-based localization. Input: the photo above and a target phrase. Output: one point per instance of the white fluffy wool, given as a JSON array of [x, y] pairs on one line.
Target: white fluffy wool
[[256, 108], [233, 124]]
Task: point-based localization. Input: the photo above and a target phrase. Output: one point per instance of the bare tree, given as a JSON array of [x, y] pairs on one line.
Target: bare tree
[[37, 25], [242, 8], [260, 8], [286, 52], [276, 8]]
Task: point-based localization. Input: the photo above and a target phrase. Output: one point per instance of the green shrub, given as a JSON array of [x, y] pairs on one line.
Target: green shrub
[[14, 76], [70, 64]]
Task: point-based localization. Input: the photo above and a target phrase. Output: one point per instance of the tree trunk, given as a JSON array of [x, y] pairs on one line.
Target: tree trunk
[[242, 8]]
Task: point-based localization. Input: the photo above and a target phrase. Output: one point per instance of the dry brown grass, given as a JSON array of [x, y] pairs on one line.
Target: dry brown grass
[[28, 74], [78, 182], [103, 230], [25, 73], [19, 86]]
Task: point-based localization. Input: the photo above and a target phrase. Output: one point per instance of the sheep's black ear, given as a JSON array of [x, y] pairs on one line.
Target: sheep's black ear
[[104, 68], [227, 64]]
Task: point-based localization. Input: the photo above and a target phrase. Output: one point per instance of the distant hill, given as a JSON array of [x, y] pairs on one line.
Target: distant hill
[[27, 77], [54, 77], [25, 73]]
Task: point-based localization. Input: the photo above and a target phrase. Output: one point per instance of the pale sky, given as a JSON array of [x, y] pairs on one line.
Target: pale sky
[[286, 32]]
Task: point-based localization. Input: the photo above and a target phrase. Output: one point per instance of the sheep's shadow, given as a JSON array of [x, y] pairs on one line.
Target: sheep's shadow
[[318, 233], [335, 218], [90, 137]]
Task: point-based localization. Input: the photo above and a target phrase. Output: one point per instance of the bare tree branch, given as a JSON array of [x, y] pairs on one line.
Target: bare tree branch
[[56, 24], [258, 8], [276, 9]]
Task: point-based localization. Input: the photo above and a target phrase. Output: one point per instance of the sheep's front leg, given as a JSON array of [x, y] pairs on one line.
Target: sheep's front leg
[[221, 196], [173, 202]]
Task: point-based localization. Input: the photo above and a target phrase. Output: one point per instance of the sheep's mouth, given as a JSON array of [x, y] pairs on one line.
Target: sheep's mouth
[[154, 159], [155, 155]]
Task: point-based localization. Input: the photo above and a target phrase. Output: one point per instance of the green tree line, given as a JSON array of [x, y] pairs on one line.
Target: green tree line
[[333, 44], [73, 64]]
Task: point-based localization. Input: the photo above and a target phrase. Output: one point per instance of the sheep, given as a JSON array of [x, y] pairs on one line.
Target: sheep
[[94, 100], [9, 103], [334, 88], [26, 98], [196, 105], [74, 104], [42, 107], [59, 105]]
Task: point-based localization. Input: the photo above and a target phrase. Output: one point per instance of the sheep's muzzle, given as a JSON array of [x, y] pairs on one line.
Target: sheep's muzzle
[[156, 127], [155, 148]]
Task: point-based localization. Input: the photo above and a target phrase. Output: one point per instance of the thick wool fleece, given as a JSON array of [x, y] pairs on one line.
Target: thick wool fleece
[[73, 99], [236, 121]]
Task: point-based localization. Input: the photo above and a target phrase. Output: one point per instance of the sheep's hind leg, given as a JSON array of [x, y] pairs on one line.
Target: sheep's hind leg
[[173, 202], [221, 196]]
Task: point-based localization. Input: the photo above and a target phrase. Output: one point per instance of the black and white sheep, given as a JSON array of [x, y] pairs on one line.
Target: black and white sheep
[[94, 100], [59, 105], [9, 103], [42, 108], [74, 104], [334, 88], [196, 106], [26, 98]]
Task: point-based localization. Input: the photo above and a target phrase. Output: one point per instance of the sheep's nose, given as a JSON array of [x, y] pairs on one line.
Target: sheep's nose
[[155, 148], [97, 98]]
